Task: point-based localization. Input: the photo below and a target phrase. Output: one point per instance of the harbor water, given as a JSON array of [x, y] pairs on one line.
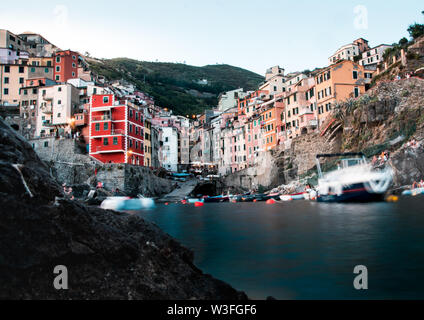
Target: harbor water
[[305, 250]]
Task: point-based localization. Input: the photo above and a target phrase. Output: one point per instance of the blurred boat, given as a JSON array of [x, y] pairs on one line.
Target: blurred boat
[[296, 196], [127, 203], [216, 199], [354, 180], [413, 192]]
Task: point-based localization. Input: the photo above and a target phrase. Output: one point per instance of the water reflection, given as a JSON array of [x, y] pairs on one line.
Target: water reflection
[[305, 250]]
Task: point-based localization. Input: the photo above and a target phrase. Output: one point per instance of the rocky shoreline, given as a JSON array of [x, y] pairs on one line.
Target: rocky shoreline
[[108, 255]]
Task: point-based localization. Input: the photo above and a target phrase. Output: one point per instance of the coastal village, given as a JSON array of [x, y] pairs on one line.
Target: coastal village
[[47, 94], [138, 180]]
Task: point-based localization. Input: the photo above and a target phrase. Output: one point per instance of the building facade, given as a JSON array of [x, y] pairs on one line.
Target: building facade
[[116, 131]]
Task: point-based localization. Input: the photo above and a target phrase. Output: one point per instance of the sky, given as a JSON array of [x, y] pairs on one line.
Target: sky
[[254, 35]]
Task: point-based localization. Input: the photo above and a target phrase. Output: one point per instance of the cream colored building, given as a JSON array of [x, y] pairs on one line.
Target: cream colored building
[[13, 78], [148, 143], [55, 108]]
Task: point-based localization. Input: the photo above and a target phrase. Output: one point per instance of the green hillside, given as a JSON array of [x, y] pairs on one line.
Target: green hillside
[[176, 86]]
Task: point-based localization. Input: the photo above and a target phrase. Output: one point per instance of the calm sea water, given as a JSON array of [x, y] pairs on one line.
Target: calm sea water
[[305, 250]]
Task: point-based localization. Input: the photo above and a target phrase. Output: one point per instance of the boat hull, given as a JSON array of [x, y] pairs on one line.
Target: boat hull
[[216, 199], [353, 193]]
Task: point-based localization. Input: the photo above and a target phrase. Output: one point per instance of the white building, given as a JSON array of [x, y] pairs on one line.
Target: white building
[[374, 56], [349, 51], [274, 80], [56, 105], [169, 149], [228, 99]]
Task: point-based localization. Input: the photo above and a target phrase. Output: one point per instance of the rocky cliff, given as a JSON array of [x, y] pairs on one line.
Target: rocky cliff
[[385, 119], [108, 255]]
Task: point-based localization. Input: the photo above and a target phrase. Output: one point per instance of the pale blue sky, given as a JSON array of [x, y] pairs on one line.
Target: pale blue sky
[[255, 35]]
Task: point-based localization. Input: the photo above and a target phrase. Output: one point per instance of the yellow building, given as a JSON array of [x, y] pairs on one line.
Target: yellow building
[[337, 83], [147, 143]]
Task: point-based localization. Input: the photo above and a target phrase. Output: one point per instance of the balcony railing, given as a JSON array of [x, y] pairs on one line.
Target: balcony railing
[[101, 118], [117, 132], [47, 109]]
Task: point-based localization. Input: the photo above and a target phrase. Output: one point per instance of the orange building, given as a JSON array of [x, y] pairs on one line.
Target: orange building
[[249, 104], [65, 65], [337, 83], [271, 116]]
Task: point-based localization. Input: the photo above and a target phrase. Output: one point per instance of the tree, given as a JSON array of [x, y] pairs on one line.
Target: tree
[[416, 30], [403, 41]]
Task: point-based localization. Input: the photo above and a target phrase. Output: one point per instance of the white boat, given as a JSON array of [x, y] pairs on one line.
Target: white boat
[[354, 180], [413, 192], [127, 203]]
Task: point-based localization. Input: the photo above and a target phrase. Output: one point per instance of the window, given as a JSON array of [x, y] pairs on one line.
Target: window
[[58, 115], [6, 69], [57, 78], [105, 141], [115, 141], [5, 91], [25, 91], [356, 92], [57, 68], [21, 69], [21, 80], [49, 64], [74, 65], [97, 127], [355, 74], [46, 144], [32, 70], [34, 91], [58, 59], [59, 101], [105, 100], [6, 80], [106, 126]]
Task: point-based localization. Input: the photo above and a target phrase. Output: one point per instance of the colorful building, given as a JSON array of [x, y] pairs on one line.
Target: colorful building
[[338, 83], [65, 65], [116, 131]]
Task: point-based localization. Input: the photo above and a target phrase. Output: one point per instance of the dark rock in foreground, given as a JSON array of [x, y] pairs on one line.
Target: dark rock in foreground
[[108, 255]]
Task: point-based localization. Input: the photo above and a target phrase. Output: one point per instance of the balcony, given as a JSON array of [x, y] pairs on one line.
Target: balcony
[[47, 123], [47, 109], [101, 118], [313, 123], [118, 132]]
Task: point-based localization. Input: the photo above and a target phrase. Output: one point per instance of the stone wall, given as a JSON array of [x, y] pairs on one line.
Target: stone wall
[[68, 165]]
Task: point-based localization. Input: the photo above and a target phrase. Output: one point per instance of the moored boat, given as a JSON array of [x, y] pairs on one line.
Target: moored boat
[[354, 180], [216, 199], [413, 192], [296, 196], [127, 203]]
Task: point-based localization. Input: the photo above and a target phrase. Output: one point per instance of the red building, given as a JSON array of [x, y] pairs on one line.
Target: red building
[[116, 131], [65, 65]]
